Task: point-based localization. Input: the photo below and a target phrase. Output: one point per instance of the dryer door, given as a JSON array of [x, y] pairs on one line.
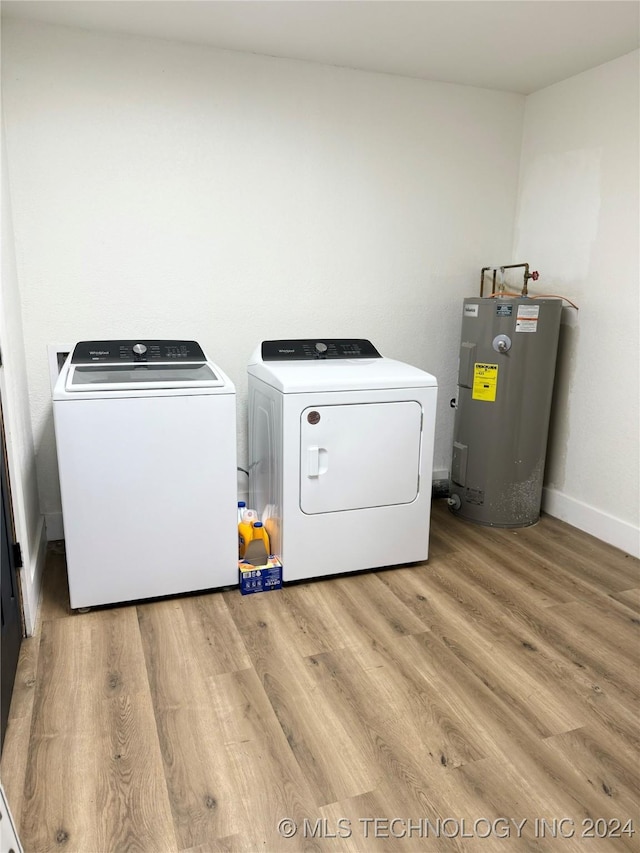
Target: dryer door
[[359, 455]]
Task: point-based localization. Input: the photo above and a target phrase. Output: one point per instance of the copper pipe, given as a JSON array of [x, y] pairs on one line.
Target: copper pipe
[[493, 283], [527, 275], [482, 272]]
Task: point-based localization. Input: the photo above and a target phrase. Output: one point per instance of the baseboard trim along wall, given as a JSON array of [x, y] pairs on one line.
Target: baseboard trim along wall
[[32, 589], [599, 524]]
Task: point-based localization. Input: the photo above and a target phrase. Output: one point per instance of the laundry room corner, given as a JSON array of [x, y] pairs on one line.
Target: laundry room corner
[[579, 215]]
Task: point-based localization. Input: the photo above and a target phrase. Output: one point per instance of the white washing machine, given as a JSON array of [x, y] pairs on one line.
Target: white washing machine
[[146, 440], [340, 455]]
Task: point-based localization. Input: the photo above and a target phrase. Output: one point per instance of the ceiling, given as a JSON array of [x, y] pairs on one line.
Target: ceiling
[[512, 45]]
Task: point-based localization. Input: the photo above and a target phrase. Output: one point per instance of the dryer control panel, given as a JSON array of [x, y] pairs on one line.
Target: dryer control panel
[[133, 352], [310, 348]]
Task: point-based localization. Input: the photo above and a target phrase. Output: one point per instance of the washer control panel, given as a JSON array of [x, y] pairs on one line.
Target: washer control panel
[[133, 352], [310, 348]]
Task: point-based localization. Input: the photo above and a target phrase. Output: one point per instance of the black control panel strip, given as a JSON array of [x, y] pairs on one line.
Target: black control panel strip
[[134, 352], [311, 348]]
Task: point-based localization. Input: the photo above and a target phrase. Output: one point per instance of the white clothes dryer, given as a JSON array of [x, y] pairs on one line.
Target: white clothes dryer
[[146, 441], [340, 455]]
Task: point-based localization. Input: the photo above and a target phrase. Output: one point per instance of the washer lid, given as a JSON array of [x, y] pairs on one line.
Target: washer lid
[[294, 377], [102, 368], [118, 377]]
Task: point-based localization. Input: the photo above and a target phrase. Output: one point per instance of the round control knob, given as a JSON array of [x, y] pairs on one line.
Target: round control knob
[[139, 349], [502, 343], [320, 347]]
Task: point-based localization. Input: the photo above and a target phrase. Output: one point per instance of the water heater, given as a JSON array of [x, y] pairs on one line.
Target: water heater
[[507, 363]]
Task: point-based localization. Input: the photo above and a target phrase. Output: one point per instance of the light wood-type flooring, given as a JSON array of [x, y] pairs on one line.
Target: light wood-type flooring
[[484, 701]]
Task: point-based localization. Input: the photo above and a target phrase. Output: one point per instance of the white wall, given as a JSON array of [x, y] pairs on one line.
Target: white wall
[[168, 190], [29, 523], [578, 221]]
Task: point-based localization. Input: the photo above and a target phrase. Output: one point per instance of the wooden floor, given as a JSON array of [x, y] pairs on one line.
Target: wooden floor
[[484, 701]]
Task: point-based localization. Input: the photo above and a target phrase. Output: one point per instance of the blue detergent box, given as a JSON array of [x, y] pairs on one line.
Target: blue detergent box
[[260, 578]]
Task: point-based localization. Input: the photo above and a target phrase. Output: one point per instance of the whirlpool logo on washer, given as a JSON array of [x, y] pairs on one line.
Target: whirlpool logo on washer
[[286, 351], [98, 352]]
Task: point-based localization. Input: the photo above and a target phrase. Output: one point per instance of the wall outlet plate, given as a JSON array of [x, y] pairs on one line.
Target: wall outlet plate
[[57, 354]]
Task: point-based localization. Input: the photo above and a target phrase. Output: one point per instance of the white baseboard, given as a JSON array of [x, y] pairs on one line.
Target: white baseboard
[[594, 521], [32, 583], [55, 530], [440, 474]]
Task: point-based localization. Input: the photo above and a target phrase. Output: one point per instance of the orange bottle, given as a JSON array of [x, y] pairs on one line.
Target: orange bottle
[[245, 535], [245, 530]]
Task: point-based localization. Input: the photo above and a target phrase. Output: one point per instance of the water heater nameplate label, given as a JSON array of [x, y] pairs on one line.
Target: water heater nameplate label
[[471, 310], [504, 310], [485, 382], [527, 319]]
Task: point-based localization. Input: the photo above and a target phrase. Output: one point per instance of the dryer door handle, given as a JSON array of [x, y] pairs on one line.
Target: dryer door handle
[[313, 465], [317, 460]]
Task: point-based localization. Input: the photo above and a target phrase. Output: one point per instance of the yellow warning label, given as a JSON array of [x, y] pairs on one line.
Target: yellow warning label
[[485, 382]]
